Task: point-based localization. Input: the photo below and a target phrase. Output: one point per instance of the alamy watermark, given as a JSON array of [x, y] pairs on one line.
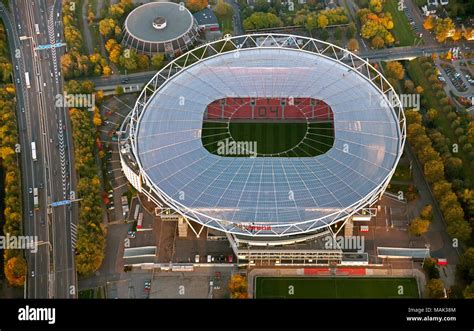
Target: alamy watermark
[[86, 100], [345, 243], [19, 242], [231, 147]]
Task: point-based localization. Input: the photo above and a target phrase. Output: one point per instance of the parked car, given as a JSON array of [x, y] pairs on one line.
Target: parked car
[[147, 285]]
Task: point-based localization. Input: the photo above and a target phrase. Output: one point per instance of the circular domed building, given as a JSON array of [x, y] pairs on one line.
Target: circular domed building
[[160, 27]]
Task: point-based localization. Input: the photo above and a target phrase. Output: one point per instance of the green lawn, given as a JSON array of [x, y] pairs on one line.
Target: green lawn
[[402, 30], [284, 139], [335, 287], [93, 293]]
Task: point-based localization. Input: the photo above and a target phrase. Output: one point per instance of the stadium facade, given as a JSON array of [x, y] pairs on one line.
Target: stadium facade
[[160, 27], [264, 200]]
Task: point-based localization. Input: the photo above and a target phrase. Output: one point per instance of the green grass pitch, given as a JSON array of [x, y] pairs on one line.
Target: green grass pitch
[[281, 139], [335, 287]]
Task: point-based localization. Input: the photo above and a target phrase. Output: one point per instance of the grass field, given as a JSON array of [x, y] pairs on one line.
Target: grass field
[[402, 30], [284, 139], [334, 287]]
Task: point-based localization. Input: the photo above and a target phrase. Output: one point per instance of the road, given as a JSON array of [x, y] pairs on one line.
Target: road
[[387, 54], [51, 271]]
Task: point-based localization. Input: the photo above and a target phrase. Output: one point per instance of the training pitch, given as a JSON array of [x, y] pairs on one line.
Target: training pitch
[[335, 288]]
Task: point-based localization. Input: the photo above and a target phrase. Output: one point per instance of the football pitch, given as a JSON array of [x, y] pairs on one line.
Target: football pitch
[[335, 288], [277, 139]]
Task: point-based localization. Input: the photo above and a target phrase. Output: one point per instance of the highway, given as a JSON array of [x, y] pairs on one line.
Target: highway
[[51, 271]]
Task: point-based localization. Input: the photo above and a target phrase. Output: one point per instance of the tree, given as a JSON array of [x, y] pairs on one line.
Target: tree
[[432, 115], [409, 86], [434, 171], [223, 9], [453, 213], [143, 61], [453, 167], [119, 90], [444, 28], [429, 23], [468, 292], [106, 71], [378, 42], [261, 20], [238, 287], [157, 60], [459, 229], [395, 69], [419, 226], [457, 35], [323, 21], [196, 5], [429, 266], [466, 263], [435, 288], [351, 29], [376, 6], [353, 45], [107, 26], [15, 271], [427, 213]]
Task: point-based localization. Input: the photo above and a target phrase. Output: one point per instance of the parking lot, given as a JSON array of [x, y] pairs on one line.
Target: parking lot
[[455, 77], [113, 111]]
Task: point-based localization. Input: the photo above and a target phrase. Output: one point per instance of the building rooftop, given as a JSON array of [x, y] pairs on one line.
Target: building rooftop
[[139, 22], [206, 17]]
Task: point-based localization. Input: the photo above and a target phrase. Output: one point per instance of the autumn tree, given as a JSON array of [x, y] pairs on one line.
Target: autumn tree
[[353, 45], [223, 10], [429, 23], [395, 70], [419, 226], [15, 271], [322, 21], [434, 170], [444, 28], [435, 289], [377, 42], [261, 20], [157, 60], [427, 213], [238, 286], [196, 5]]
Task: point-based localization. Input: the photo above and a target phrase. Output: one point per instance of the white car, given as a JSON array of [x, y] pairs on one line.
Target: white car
[[196, 258]]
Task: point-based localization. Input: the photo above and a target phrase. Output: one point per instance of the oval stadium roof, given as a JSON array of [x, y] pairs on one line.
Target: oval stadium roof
[[257, 190]]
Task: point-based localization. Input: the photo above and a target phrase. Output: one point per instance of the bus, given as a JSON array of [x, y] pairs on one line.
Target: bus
[[27, 79], [37, 29], [33, 151], [35, 198]]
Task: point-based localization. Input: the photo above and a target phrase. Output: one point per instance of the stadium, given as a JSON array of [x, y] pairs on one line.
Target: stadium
[[328, 129], [160, 27]]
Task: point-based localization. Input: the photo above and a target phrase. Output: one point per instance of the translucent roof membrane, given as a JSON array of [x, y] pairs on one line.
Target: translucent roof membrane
[[268, 190]]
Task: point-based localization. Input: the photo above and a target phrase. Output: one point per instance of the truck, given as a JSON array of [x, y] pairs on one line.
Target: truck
[[35, 198], [37, 29], [27, 79], [33, 151]]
